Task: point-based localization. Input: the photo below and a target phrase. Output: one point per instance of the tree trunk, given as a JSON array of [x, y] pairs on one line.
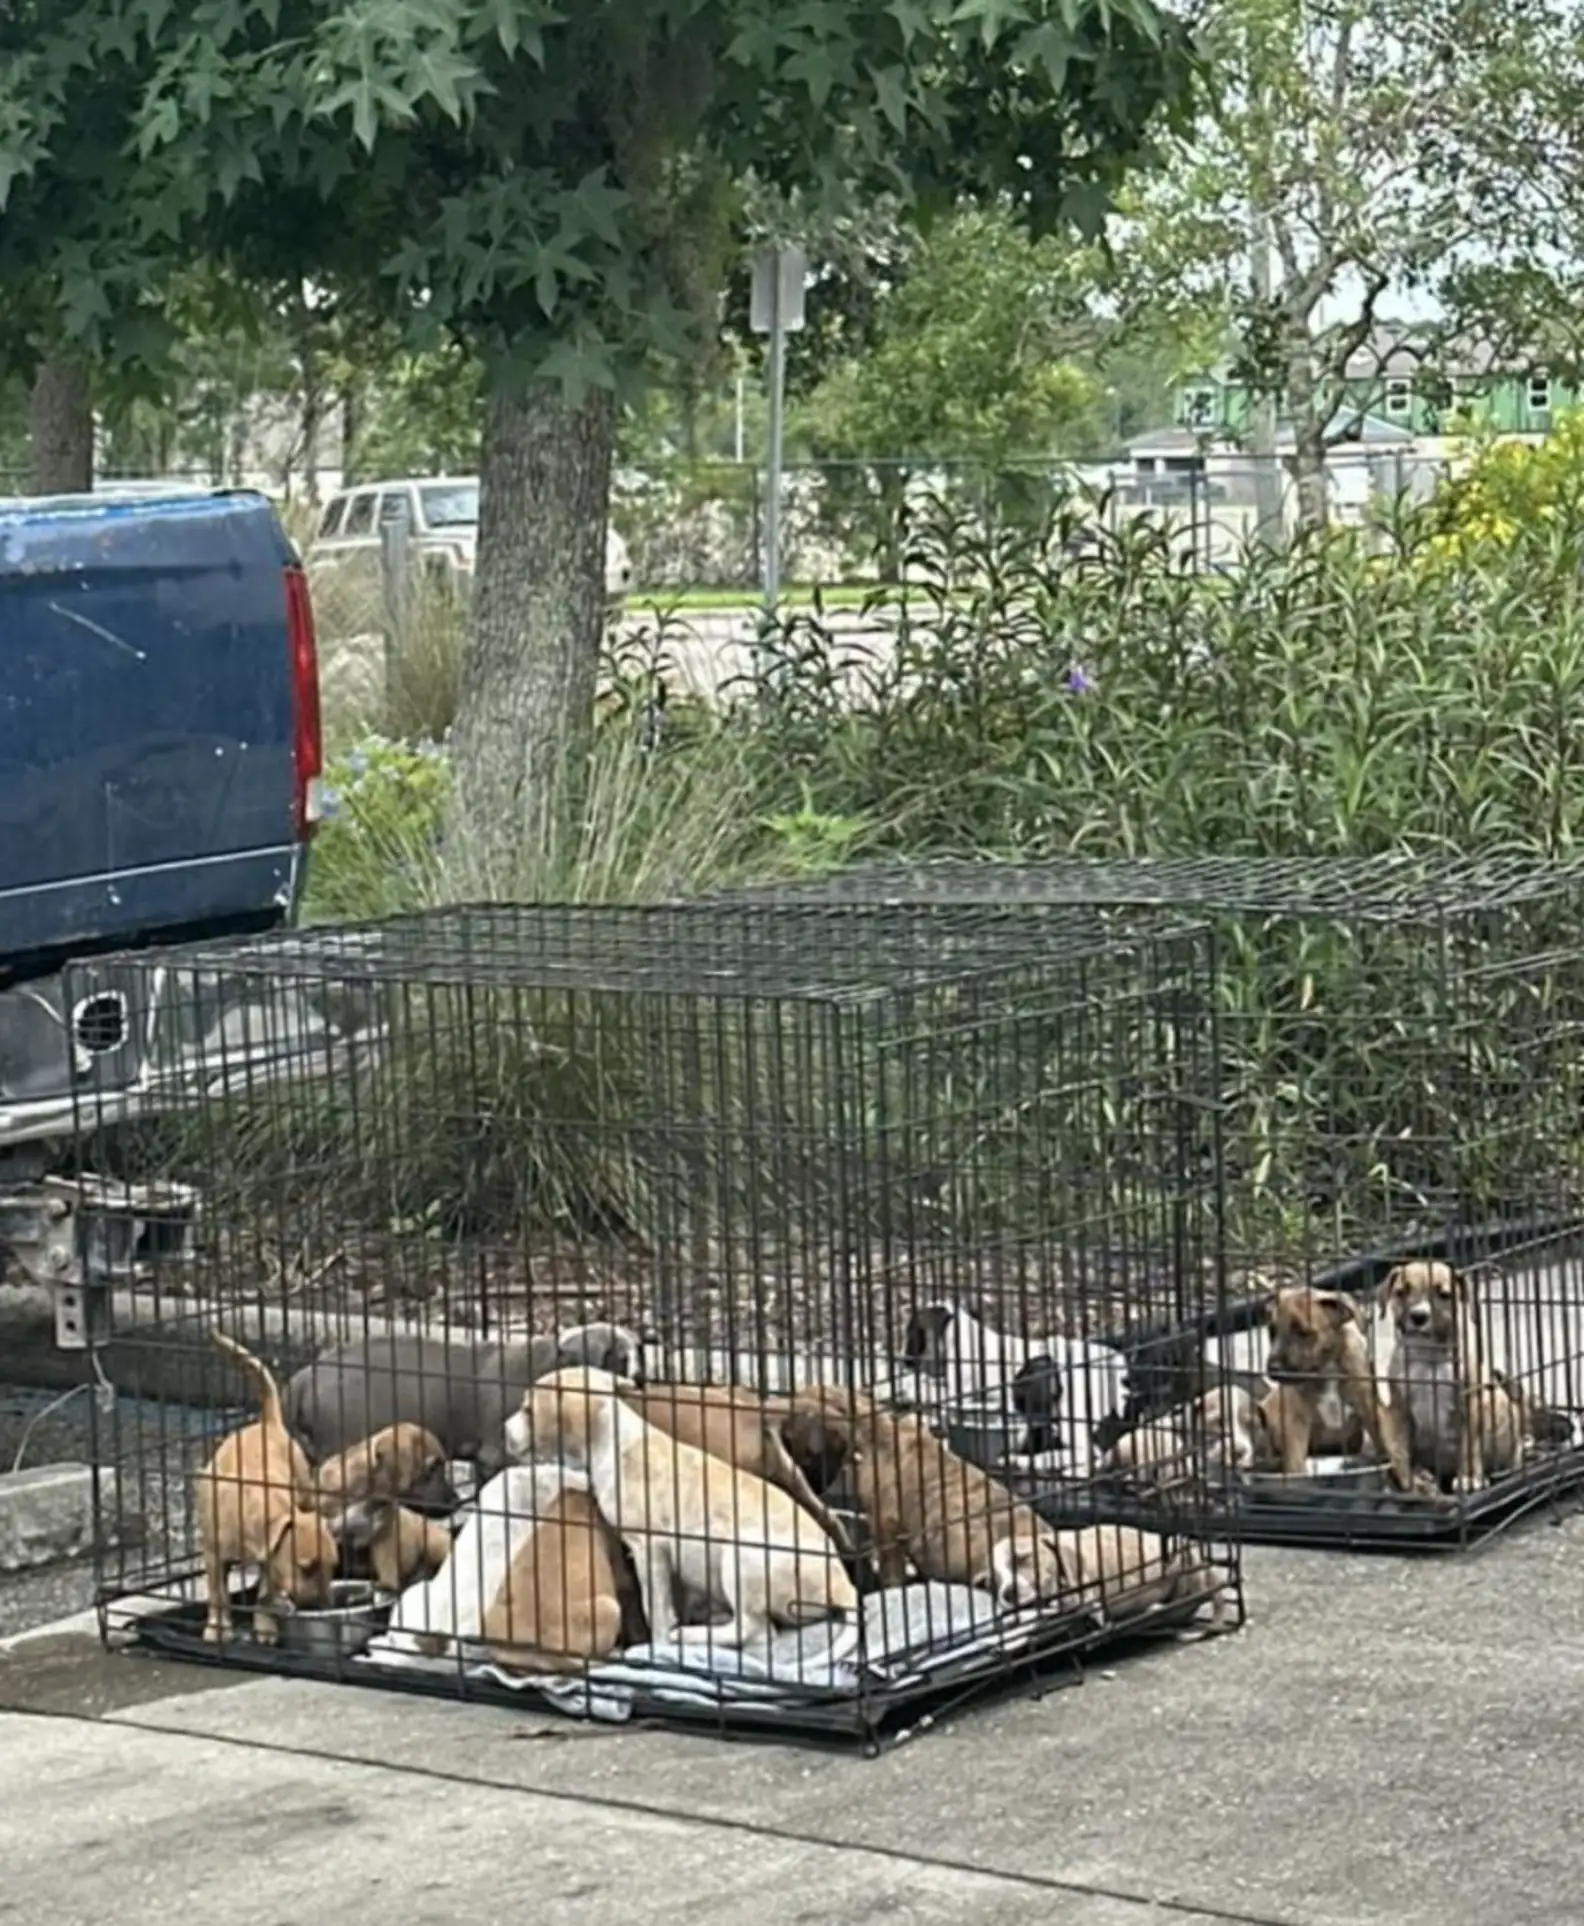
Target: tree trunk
[[1309, 449], [351, 427], [61, 430], [532, 662]]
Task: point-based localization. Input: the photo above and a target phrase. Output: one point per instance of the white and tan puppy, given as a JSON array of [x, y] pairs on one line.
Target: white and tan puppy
[[1120, 1572], [689, 1520]]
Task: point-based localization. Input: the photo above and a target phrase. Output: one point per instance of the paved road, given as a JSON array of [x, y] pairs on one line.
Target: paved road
[[1390, 1743]]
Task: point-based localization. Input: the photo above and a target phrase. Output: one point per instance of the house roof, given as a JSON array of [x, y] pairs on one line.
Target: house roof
[[1406, 349], [1368, 431]]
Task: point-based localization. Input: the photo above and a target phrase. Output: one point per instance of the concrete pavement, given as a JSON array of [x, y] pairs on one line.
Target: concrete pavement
[[1390, 1743]]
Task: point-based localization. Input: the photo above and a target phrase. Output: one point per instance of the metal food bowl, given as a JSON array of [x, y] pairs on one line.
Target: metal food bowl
[[984, 1434], [344, 1627], [1320, 1477]]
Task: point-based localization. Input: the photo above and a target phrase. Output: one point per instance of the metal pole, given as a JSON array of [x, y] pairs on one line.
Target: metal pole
[[772, 554]]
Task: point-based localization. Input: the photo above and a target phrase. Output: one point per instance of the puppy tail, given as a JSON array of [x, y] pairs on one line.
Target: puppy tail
[[255, 1368]]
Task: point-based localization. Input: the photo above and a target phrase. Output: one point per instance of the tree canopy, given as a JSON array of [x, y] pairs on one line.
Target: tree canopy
[[509, 173]]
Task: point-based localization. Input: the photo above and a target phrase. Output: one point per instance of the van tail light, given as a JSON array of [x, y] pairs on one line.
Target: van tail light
[[307, 736]]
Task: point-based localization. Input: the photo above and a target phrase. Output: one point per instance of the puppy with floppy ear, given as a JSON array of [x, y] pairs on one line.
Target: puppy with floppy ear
[[603, 1347], [731, 1423], [690, 1520], [400, 1461], [1325, 1396], [946, 1342], [1460, 1424], [929, 1507], [361, 1491], [255, 1502]]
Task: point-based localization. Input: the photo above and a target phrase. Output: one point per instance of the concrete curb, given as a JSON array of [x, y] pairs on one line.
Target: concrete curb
[[47, 1514]]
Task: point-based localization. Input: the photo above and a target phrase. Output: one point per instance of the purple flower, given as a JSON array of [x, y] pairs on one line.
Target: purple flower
[[1077, 682]]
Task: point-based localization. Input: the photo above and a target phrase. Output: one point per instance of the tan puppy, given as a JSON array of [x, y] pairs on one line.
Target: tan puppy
[[395, 1463], [731, 1422], [255, 1501], [561, 1603], [1325, 1397], [406, 1545], [1121, 1572], [690, 1520], [947, 1516], [1459, 1423]]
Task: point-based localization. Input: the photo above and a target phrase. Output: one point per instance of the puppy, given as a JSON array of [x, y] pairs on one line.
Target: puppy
[[562, 1602], [945, 1341], [1459, 1423], [1037, 1399], [690, 1520], [731, 1423], [461, 1393], [929, 1507], [1065, 1387], [1222, 1430], [1324, 1396], [1120, 1572], [255, 1501], [405, 1546], [402, 1461]]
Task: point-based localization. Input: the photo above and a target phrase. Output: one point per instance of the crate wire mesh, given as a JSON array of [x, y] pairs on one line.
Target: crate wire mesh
[[744, 1147], [1399, 1048]]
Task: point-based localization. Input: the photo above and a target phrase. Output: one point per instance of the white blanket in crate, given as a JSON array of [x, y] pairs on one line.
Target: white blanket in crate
[[907, 1631]]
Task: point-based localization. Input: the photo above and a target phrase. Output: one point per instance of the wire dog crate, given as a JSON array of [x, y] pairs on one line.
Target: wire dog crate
[[1399, 1135], [654, 1225]]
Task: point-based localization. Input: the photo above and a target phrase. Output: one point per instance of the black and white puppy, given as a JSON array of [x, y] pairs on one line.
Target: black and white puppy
[[1064, 1388]]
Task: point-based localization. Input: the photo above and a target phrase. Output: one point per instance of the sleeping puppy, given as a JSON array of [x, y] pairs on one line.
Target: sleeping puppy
[[1458, 1422], [462, 1393], [255, 1503], [568, 1597], [1325, 1397], [691, 1521], [1120, 1572], [1224, 1430], [732, 1423], [933, 1510]]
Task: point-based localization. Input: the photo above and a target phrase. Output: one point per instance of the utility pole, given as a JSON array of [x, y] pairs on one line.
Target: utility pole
[[1268, 520]]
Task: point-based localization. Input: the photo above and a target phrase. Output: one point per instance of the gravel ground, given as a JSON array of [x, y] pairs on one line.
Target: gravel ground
[[152, 1448]]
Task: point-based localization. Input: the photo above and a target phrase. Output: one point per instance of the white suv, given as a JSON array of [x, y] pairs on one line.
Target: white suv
[[443, 515]]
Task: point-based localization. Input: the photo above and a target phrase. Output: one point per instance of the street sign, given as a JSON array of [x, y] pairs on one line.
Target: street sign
[[779, 276]]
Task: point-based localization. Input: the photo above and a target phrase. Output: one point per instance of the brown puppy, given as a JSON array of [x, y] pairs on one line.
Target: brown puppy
[[395, 1463], [1460, 1424], [1325, 1397], [927, 1505], [562, 1602], [731, 1422], [406, 1545], [255, 1502]]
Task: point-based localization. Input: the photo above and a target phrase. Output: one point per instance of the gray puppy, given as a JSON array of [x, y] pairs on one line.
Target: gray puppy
[[463, 1393]]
